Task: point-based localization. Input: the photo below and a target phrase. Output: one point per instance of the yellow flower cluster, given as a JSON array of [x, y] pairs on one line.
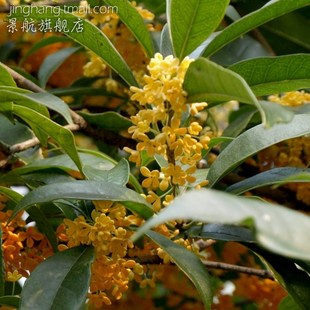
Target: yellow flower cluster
[[23, 247], [112, 269], [158, 128], [294, 98]]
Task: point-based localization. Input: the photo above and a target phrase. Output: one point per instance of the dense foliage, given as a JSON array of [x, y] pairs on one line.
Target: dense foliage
[[154, 155]]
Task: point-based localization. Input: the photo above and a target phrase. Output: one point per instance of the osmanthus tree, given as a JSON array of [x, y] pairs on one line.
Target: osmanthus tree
[[165, 151]]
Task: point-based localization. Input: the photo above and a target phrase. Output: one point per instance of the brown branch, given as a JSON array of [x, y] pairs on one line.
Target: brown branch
[[155, 260]]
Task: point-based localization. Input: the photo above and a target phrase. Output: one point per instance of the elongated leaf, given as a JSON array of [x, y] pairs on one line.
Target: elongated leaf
[[62, 279], [87, 190], [10, 301], [108, 120], [61, 135], [23, 100], [135, 23], [288, 303], [117, 175], [189, 263], [278, 229], [191, 22], [222, 232], [245, 24], [294, 280], [5, 77], [274, 75], [11, 194], [89, 36], [253, 141], [42, 43], [36, 101], [273, 176], [52, 62]]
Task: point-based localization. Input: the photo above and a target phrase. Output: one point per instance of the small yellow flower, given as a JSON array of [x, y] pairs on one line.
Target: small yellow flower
[[13, 276]]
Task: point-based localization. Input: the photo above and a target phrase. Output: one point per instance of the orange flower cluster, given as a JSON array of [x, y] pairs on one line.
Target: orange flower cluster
[[23, 247]]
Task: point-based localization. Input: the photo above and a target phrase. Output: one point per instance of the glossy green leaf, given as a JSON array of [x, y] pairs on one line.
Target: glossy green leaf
[[10, 301], [90, 37], [86, 190], [13, 133], [135, 23], [52, 62], [188, 263], [278, 229], [253, 141], [61, 135], [42, 43], [273, 176], [269, 11], [191, 22], [274, 75], [23, 100], [108, 120], [11, 194], [36, 101], [222, 232], [5, 77], [117, 175], [207, 81], [62, 279]]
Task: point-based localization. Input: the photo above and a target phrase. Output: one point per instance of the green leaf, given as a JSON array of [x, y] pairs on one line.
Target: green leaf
[[165, 48], [22, 99], [10, 301], [292, 278], [274, 75], [273, 176], [62, 279], [191, 22], [288, 303], [292, 27], [5, 77], [222, 232], [11, 194], [134, 22], [277, 228], [254, 140], [52, 62], [188, 263], [86, 190], [61, 135], [117, 175], [42, 43], [207, 81], [269, 11], [90, 37], [108, 120]]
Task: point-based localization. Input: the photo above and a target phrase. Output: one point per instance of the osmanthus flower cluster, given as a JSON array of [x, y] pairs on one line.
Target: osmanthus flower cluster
[[164, 128], [23, 247], [290, 153]]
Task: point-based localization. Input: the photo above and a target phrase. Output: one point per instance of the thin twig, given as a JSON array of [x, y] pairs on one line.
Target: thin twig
[[155, 260]]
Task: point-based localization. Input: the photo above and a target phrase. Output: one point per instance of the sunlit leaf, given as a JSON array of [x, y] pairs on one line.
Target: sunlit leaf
[[274, 75], [191, 22], [87, 190], [278, 229], [5, 77]]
